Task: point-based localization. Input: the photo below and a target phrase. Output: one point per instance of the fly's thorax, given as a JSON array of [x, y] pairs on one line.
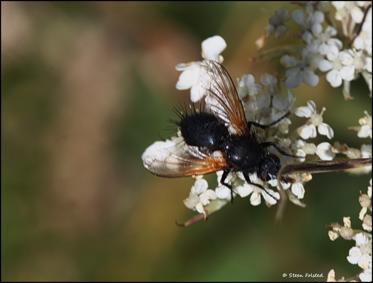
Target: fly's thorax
[[242, 152]]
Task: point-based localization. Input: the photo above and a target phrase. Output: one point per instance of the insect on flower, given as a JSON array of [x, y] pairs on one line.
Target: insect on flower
[[217, 136]]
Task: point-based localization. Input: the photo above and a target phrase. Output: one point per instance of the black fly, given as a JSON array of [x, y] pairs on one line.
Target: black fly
[[218, 137], [220, 126]]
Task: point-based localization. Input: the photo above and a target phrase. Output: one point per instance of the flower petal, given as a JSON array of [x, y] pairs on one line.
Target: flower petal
[[325, 65], [206, 196], [366, 276], [361, 239], [326, 130], [188, 77], [244, 190], [197, 92], [294, 78], [255, 198], [347, 73], [307, 131], [223, 192], [298, 190], [212, 47], [324, 151], [200, 186], [312, 105], [310, 78], [354, 255], [191, 201], [199, 208], [303, 111], [270, 197], [334, 78]]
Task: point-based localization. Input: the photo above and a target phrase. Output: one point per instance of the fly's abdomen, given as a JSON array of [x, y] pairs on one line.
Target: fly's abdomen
[[203, 130]]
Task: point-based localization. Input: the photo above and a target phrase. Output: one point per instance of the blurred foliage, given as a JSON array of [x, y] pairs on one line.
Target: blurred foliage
[[86, 86]]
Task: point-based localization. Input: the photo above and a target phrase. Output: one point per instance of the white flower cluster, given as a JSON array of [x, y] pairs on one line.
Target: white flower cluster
[[262, 100], [324, 48], [361, 253], [336, 40], [326, 151]]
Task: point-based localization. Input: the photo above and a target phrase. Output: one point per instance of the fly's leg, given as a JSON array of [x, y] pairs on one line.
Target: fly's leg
[[247, 178], [249, 124], [222, 181], [268, 144]]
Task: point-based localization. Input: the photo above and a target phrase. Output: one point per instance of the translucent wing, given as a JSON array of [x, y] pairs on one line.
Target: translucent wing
[[222, 98], [174, 158], [326, 166]]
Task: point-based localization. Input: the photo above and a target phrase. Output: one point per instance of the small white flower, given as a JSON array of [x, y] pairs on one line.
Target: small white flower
[[309, 19], [315, 121], [222, 192], [207, 196], [270, 197], [365, 129], [324, 42], [325, 151], [299, 71], [194, 75], [200, 186], [361, 254], [200, 195], [302, 148], [333, 235], [354, 255], [298, 190], [347, 9], [248, 86], [191, 201], [340, 67], [277, 22]]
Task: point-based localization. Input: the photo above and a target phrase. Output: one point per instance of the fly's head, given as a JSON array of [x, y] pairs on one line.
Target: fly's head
[[269, 167]]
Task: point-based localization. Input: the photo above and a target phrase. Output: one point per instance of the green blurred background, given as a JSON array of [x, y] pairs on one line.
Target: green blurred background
[[86, 87]]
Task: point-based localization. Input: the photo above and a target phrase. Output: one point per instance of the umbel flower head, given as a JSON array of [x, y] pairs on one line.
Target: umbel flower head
[[329, 41], [320, 50], [264, 102]]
